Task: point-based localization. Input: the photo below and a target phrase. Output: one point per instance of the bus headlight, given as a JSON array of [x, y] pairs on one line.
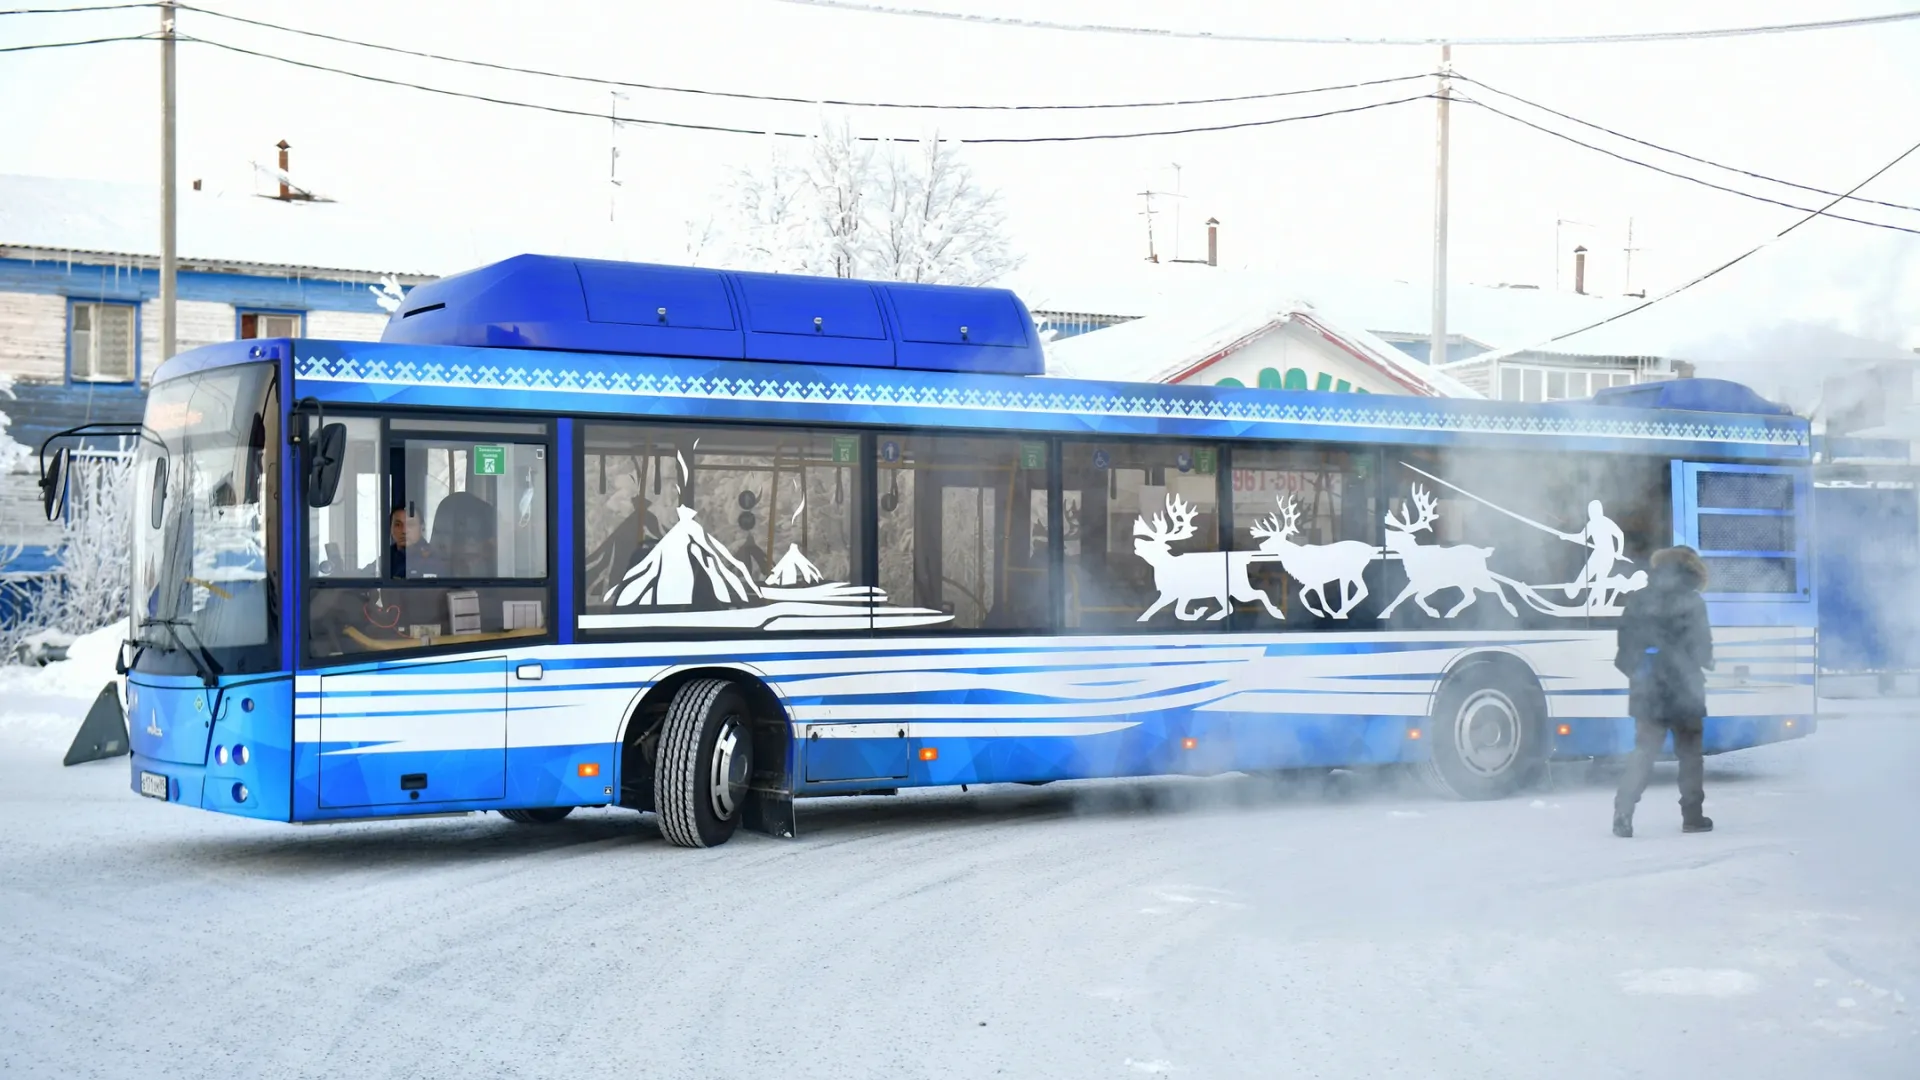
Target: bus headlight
[[240, 754], [219, 755], [240, 792]]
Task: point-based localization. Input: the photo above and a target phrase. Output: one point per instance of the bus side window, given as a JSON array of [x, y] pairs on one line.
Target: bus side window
[[958, 519], [1146, 526], [347, 537]]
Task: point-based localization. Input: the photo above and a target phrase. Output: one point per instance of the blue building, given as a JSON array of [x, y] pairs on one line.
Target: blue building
[[79, 307]]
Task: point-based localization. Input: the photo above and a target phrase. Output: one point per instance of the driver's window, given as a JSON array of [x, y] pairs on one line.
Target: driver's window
[[345, 538], [438, 537]]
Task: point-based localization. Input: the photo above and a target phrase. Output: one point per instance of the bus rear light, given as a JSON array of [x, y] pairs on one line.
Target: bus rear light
[[929, 753], [1565, 729], [219, 755], [1189, 743], [589, 768]]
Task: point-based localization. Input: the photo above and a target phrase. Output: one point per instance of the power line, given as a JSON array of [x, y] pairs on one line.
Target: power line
[[74, 44], [1616, 155], [1670, 150], [787, 98], [722, 128], [74, 10], [1295, 39], [1737, 259]]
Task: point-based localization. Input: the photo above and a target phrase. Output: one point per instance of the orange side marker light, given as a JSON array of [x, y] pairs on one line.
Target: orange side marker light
[[1189, 743], [1413, 733], [1566, 729], [589, 768], [929, 753]]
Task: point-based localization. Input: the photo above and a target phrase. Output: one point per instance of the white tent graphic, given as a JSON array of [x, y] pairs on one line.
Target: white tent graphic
[[794, 569], [685, 556], [796, 595]]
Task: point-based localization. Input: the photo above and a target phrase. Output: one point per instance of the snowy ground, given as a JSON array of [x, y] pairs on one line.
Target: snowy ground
[[1220, 928]]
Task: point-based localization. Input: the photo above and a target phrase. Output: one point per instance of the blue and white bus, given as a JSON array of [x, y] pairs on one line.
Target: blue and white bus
[[700, 543]]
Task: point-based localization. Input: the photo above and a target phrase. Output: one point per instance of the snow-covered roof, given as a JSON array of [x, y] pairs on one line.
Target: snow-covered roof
[[97, 216], [1161, 346], [1502, 317]]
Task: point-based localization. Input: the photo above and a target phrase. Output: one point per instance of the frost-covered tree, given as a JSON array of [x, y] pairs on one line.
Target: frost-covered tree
[[937, 224], [96, 547], [12, 454], [844, 207]]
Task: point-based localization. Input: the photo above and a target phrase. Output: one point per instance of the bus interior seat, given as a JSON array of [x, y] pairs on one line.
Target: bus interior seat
[[463, 541]]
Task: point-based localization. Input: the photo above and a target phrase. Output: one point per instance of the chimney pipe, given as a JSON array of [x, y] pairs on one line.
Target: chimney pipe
[[286, 193], [1213, 241], [1580, 270]]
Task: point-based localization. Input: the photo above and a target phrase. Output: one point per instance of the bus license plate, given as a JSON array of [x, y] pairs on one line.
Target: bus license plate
[[153, 785]]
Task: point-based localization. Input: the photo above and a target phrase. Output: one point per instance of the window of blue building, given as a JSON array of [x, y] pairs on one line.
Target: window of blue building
[[269, 324], [103, 341]]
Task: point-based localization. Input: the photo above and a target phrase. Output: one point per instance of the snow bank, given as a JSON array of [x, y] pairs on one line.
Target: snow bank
[[44, 705]]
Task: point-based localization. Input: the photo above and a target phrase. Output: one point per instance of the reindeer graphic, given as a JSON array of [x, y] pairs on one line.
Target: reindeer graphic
[[1315, 566], [1194, 575], [1433, 567]]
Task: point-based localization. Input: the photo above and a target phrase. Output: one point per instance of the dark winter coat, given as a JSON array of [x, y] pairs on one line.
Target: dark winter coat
[[1665, 645]]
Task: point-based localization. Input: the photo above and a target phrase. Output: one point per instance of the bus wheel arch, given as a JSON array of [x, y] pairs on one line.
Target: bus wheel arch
[[1487, 731], [690, 728]]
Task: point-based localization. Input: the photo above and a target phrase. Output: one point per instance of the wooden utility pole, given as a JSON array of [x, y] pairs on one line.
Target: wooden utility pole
[[1437, 350], [169, 246]]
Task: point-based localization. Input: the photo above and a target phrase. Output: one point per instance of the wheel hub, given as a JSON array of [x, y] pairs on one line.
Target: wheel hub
[[1487, 732], [731, 762]]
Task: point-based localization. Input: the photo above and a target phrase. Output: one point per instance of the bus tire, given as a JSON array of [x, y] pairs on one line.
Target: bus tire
[[538, 815], [704, 763], [1487, 738]]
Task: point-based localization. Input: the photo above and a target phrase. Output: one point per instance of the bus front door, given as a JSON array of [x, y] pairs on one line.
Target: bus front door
[[414, 734]]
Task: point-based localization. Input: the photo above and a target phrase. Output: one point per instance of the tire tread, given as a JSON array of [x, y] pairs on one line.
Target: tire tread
[[677, 764]]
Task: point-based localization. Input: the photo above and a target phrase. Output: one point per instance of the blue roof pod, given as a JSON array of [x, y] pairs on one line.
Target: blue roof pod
[[643, 309], [1691, 395]]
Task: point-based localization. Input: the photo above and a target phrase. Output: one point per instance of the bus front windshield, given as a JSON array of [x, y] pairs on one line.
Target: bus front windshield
[[204, 519]]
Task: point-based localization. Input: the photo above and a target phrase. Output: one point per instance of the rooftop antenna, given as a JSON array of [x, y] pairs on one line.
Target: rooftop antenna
[[613, 148], [1153, 255]]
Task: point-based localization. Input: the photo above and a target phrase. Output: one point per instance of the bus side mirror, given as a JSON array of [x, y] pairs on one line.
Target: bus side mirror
[[329, 458], [157, 505], [53, 484]]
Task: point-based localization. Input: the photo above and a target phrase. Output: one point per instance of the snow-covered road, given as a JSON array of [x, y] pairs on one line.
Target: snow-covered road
[[1220, 928]]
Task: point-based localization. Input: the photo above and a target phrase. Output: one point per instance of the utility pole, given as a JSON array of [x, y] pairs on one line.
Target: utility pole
[[1153, 256], [1437, 349], [169, 250], [1629, 249], [613, 149]]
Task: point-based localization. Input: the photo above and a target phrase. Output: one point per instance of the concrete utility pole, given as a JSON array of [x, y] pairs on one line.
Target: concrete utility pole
[[169, 248], [1437, 349], [613, 149], [1629, 249]]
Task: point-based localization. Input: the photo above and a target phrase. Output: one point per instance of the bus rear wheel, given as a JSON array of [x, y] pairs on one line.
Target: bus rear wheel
[[1486, 735], [704, 763], [538, 815]]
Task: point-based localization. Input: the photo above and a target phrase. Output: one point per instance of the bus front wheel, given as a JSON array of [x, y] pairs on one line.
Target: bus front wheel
[[704, 762], [1486, 739]]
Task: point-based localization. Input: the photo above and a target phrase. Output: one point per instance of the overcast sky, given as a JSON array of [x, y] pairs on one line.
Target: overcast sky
[[1350, 193]]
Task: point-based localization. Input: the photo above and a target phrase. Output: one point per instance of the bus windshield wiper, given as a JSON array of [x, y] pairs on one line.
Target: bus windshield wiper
[[203, 662]]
